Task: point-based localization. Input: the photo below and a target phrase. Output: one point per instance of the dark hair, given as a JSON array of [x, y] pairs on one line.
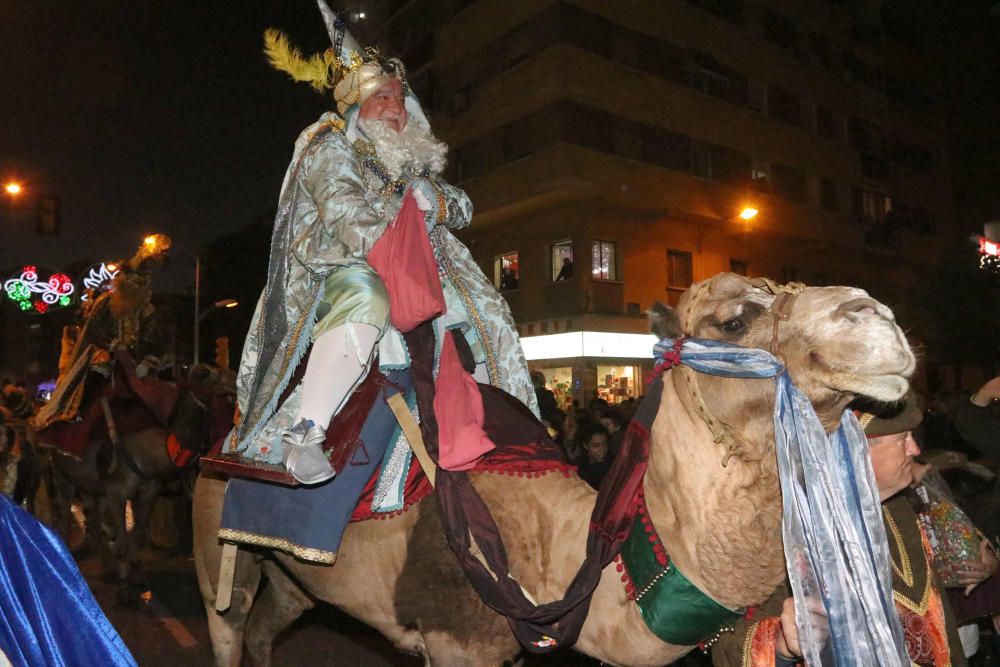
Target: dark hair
[[615, 416], [586, 433]]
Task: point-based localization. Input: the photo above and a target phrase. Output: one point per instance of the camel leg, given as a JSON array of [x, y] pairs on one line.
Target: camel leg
[[116, 499], [142, 507], [61, 492], [278, 606], [226, 629]]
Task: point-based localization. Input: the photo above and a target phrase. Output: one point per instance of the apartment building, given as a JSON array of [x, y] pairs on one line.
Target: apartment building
[[610, 149]]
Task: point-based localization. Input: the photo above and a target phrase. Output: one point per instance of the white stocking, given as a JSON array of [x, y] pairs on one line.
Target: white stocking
[[337, 363]]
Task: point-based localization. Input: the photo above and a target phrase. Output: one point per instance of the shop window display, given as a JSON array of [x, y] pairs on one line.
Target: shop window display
[[617, 383], [560, 382]]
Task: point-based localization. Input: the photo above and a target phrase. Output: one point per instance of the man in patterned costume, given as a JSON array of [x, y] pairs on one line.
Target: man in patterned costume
[[770, 637], [347, 180]]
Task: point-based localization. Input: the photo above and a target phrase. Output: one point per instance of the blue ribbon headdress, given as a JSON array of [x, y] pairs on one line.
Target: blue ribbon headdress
[[835, 545]]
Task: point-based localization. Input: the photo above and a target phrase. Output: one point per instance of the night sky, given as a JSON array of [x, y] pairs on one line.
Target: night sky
[[146, 116]]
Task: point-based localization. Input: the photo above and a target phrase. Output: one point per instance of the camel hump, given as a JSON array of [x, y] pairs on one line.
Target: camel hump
[[664, 321]]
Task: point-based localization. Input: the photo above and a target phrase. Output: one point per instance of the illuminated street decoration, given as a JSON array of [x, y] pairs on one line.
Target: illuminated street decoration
[[30, 294], [99, 279], [989, 255]]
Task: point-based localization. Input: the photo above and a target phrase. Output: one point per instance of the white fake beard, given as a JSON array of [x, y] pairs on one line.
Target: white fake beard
[[415, 147]]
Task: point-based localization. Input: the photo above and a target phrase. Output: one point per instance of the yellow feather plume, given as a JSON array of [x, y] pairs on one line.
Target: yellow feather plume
[[283, 56]]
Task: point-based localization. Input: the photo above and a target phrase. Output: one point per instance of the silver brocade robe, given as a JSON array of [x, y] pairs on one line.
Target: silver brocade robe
[[330, 213]]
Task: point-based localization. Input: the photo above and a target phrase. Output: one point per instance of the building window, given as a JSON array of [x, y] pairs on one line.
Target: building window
[[784, 105], [605, 266], [788, 183], [738, 266], [758, 96], [870, 207], [828, 124], [828, 199], [679, 274], [778, 30], [562, 260], [760, 175], [507, 271]]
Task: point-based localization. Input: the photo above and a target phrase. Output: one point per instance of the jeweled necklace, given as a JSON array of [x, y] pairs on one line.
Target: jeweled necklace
[[369, 159]]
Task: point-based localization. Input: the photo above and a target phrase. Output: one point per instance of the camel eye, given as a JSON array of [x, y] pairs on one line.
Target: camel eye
[[733, 326]]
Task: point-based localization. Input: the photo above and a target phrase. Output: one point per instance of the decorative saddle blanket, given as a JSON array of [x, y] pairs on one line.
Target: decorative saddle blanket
[[309, 522]]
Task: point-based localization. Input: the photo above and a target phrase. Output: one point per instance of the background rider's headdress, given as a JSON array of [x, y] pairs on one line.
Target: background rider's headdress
[[353, 73]]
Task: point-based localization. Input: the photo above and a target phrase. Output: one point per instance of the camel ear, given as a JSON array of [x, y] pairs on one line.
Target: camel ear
[[663, 321]]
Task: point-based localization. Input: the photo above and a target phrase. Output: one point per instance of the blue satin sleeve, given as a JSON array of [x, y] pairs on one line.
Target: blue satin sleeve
[[48, 616]]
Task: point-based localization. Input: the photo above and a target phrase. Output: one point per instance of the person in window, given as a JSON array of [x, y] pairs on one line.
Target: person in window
[[508, 279], [566, 272]]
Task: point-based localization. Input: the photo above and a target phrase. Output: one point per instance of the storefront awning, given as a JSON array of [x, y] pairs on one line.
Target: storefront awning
[[589, 344]]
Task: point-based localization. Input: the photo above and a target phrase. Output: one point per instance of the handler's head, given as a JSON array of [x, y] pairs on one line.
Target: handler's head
[[891, 445]]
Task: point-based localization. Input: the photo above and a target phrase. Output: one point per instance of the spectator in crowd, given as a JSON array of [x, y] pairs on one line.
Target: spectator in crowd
[[613, 422], [546, 399], [595, 461], [929, 626]]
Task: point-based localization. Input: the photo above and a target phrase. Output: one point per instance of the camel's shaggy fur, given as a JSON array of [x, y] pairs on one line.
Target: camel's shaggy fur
[[720, 523]]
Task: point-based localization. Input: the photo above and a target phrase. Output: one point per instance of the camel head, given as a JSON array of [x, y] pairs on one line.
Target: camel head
[[837, 343]]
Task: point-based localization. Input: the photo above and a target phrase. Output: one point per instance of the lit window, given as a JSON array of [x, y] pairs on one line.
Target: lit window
[[507, 271], [562, 261], [604, 265]]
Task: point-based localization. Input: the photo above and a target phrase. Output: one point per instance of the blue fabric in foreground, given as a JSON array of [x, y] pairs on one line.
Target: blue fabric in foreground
[[835, 546], [48, 616]]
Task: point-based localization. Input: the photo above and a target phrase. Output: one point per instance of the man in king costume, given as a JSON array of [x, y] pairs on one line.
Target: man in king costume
[[325, 306]]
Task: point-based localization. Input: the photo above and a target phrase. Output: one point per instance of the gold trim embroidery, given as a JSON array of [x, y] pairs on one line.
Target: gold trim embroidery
[[305, 553], [905, 572], [492, 367], [747, 662]]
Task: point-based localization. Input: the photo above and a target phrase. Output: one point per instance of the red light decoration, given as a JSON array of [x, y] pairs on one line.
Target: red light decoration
[[30, 293], [988, 247]]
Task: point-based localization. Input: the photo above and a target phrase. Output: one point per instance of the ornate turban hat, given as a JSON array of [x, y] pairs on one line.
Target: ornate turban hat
[[352, 72]]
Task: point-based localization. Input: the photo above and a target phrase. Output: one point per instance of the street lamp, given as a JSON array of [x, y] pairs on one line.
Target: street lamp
[[748, 213], [12, 188]]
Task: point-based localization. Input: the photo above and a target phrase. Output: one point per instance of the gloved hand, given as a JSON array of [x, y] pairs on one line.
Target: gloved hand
[[425, 194], [422, 203]]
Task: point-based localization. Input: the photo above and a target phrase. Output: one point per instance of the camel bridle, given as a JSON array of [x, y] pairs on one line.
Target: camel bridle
[[780, 310]]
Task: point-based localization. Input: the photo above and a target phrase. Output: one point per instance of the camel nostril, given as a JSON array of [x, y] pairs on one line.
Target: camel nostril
[[857, 309]]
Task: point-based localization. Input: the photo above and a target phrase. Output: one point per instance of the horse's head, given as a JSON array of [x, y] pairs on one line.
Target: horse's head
[[836, 342]]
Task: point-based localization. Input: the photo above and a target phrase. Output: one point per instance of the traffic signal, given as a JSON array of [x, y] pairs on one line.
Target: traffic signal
[[47, 220]]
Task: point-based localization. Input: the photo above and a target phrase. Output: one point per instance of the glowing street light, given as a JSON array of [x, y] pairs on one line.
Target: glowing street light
[[748, 213], [12, 188]]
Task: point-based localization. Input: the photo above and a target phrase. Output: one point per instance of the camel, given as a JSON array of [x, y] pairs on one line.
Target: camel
[[717, 506]]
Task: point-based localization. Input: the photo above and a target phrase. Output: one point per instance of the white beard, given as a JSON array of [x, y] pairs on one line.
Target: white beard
[[414, 148]]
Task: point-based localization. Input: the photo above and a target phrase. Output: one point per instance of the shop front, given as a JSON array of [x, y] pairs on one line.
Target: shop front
[[582, 365]]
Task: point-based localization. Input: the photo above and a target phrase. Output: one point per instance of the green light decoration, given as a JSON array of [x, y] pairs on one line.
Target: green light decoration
[[29, 293]]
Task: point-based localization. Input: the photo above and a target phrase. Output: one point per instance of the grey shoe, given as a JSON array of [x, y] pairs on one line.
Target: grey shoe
[[303, 453]]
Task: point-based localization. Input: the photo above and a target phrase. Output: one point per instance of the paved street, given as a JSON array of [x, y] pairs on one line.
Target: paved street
[[168, 627]]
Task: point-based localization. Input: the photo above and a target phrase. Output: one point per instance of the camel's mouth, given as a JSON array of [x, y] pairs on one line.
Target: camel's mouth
[[887, 388]]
